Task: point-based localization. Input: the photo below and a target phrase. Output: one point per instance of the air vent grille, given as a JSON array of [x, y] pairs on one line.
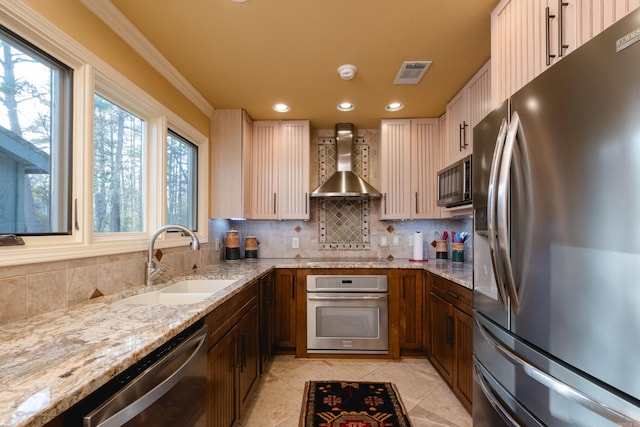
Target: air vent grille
[[411, 72]]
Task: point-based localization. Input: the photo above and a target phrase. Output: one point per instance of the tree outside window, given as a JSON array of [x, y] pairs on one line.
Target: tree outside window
[[118, 169], [182, 172]]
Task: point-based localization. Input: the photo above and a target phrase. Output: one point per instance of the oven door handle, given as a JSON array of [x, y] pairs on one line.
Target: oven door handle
[[358, 298], [123, 414]]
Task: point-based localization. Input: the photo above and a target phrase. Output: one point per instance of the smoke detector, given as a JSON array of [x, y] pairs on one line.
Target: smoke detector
[[347, 71], [411, 72]]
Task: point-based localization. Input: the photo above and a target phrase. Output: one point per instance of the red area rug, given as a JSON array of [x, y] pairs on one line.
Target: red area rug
[[352, 404]]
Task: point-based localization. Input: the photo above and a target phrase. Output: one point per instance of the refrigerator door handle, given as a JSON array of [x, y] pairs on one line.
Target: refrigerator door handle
[[487, 390], [554, 384], [514, 150], [491, 212]]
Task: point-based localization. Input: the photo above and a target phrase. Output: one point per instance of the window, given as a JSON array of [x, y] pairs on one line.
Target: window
[[35, 140], [118, 169], [182, 178]]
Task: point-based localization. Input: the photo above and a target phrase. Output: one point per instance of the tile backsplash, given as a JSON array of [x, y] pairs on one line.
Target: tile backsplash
[[32, 289]]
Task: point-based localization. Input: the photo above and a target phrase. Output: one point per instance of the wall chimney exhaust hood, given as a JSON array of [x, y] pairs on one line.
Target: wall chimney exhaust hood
[[345, 183]]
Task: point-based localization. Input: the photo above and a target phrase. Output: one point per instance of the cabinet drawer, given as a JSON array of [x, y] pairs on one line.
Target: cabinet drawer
[[457, 295], [222, 319]]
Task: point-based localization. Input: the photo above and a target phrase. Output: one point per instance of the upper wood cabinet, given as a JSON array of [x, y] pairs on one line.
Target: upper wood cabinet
[[230, 138], [593, 16], [409, 192], [529, 36], [278, 170], [465, 111]]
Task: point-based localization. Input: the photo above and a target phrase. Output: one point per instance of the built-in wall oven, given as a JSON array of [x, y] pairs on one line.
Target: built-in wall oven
[[347, 314]]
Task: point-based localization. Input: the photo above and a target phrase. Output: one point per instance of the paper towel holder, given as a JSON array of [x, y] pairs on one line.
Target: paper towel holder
[[418, 248]]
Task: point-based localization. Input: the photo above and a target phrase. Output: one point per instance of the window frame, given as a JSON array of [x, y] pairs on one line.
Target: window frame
[[90, 75]]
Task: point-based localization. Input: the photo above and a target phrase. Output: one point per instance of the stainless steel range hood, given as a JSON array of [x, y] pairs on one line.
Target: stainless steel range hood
[[345, 183]]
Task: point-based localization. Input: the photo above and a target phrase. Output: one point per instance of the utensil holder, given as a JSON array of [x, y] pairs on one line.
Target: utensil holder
[[441, 249], [457, 252]]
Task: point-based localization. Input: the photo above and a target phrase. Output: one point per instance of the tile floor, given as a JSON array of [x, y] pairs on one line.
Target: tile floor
[[277, 399]]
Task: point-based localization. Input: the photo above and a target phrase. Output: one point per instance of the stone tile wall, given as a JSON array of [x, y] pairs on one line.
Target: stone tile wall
[[32, 289]]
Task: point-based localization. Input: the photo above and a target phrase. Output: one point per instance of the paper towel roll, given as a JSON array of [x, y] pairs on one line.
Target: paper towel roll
[[417, 246]]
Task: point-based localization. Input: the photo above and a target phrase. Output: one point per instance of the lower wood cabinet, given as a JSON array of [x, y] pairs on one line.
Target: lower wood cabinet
[[233, 358], [285, 297], [407, 285], [452, 335], [267, 313]]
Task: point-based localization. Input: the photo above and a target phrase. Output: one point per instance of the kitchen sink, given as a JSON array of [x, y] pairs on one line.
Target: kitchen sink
[[198, 286], [183, 292]]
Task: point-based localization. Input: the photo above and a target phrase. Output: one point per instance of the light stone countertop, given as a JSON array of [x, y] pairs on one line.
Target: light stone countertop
[[51, 361]]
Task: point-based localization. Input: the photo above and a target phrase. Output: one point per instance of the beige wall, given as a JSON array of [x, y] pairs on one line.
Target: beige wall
[[72, 17]]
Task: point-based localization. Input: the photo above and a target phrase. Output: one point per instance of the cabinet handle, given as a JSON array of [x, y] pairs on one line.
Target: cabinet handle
[[293, 287], [548, 18], [451, 330], [274, 203], [561, 45], [453, 294], [462, 135], [385, 203], [465, 125], [244, 350], [239, 352], [306, 204], [416, 202], [242, 360]]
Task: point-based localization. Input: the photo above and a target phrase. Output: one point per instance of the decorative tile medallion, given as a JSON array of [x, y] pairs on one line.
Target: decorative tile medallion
[[343, 224]]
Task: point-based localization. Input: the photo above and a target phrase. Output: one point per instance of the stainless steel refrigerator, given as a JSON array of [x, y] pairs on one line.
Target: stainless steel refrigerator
[[556, 197]]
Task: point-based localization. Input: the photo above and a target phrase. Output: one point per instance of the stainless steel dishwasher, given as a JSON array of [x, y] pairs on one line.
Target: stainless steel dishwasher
[[166, 388]]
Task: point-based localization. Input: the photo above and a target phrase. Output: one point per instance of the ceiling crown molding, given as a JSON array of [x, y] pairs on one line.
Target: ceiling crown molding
[[111, 16]]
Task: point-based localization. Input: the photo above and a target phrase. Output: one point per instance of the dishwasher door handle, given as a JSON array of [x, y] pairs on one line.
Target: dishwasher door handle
[[131, 409]]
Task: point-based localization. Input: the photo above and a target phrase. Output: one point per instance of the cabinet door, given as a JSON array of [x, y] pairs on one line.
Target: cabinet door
[[426, 313], [395, 168], [247, 362], [411, 296], [266, 319], [593, 16], [442, 336], [230, 138], [222, 407], [458, 128], [463, 366], [293, 196], [426, 160], [479, 99], [285, 309], [262, 171], [524, 42]]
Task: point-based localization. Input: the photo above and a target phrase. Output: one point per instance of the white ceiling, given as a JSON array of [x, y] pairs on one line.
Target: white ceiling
[[252, 55]]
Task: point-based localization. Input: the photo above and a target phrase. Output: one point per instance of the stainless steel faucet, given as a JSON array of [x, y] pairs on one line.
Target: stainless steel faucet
[[155, 269]]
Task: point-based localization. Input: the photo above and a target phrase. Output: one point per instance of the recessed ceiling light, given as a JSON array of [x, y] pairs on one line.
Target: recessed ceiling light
[[281, 108], [346, 106], [238, 1], [394, 106]]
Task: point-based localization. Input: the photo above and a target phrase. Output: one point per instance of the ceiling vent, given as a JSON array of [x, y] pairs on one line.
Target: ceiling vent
[[411, 72]]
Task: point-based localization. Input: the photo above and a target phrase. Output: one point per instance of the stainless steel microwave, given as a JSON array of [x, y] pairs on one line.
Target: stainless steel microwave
[[454, 184]]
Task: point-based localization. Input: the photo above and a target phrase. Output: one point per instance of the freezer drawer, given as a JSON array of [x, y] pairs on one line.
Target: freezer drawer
[[510, 369]]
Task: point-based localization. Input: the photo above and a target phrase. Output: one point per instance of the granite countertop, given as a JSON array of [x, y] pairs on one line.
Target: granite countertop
[[51, 361]]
